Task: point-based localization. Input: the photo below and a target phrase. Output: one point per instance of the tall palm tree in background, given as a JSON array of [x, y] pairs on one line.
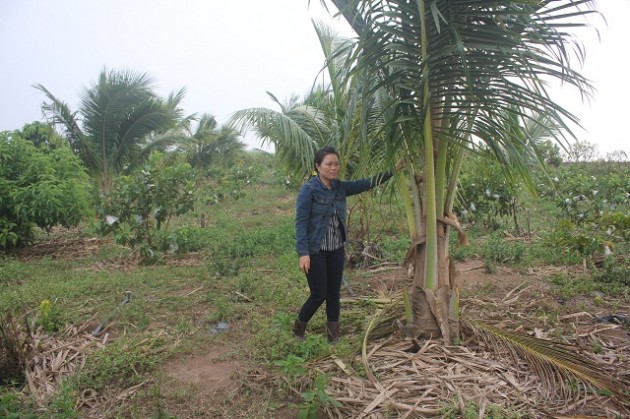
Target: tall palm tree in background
[[458, 72], [328, 115], [120, 120], [209, 145]]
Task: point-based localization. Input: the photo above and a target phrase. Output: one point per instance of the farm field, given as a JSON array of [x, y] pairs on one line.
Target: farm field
[[204, 331]]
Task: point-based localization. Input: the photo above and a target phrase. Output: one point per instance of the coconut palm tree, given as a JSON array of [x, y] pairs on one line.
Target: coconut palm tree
[[460, 72], [328, 115], [120, 120], [209, 145]]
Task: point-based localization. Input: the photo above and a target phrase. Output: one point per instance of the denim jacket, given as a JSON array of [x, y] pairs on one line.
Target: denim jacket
[[315, 207]]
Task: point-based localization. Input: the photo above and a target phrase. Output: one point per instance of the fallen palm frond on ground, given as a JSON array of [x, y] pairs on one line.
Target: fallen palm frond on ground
[[425, 379], [449, 381], [55, 358], [558, 365], [52, 360], [14, 349]]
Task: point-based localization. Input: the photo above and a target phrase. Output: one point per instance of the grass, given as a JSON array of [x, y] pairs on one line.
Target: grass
[[241, 269]]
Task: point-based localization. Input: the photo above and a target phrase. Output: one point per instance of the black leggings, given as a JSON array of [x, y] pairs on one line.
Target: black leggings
[[324, 281]]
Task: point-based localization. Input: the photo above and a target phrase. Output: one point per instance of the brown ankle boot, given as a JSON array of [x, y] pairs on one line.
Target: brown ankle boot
[[299, 329], [332, 332]]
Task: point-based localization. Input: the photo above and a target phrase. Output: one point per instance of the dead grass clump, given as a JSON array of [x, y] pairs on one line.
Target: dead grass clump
[[15, 347]]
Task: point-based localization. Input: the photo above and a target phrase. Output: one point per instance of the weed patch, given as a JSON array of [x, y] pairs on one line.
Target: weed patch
[[123, 363]]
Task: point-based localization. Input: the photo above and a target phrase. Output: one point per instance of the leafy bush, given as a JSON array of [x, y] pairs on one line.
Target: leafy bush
[[277, 343], [139, 207], [395, 248], [192, 239], [42, 187], [486, 193], [230, 183], [596, 207], [316, 398], [498, 249], [49, 316], [613, 272]]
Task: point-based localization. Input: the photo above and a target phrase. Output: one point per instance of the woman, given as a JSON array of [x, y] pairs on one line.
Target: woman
[[320, 225]]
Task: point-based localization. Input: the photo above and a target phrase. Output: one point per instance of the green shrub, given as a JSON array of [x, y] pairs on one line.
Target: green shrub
[[486, 193], [192, 239], [613, 272], [49, 316], [139, 208], [12, 406], [277, 343], [39, 186], [497, 249]]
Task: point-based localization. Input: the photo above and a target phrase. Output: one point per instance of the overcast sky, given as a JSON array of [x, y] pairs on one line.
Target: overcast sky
[[228, 53]]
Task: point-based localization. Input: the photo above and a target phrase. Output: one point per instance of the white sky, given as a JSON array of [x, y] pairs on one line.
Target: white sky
[[228, 53]]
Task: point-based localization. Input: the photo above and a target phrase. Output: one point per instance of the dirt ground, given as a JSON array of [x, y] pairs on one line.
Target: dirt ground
[[217, 379]]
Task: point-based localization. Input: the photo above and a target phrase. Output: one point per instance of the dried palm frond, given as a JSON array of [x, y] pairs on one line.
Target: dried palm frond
[[557, 364], [14, 349]]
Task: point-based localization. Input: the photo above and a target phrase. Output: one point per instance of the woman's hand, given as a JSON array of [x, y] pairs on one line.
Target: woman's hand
[[305, 263]]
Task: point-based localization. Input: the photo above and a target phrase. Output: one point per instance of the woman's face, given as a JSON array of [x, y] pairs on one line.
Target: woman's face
[[329, 169]]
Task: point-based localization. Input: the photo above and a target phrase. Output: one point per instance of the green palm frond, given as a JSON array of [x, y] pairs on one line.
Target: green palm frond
[[557, 364], [207, 144], [59, 113], [334, 115], [296, 135], [482, 57], [118, 116]]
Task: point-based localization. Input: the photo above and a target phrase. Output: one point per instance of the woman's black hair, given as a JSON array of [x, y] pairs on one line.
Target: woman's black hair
[[322, 153]]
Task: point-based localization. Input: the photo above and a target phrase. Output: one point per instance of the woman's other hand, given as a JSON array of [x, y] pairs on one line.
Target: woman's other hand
[[305, 263]]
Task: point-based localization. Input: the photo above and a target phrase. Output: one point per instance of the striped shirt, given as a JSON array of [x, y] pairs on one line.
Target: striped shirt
[[333, 239]]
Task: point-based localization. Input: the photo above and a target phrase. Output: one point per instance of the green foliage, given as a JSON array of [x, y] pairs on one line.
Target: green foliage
[[613, 272], [210, 146], [292, 367], [549, 153], [62, 404], [316, 398], [13, 407], [123, 362], [223, 311], [192, 239], [39, 186], [49, 316], [575, 239], [497, 249], [42, 136], [486, 192], [395, 248], [595, 207], [572, 285], [277, 343], [584, 193], [231, 183], [119, 121], [140, 207]]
